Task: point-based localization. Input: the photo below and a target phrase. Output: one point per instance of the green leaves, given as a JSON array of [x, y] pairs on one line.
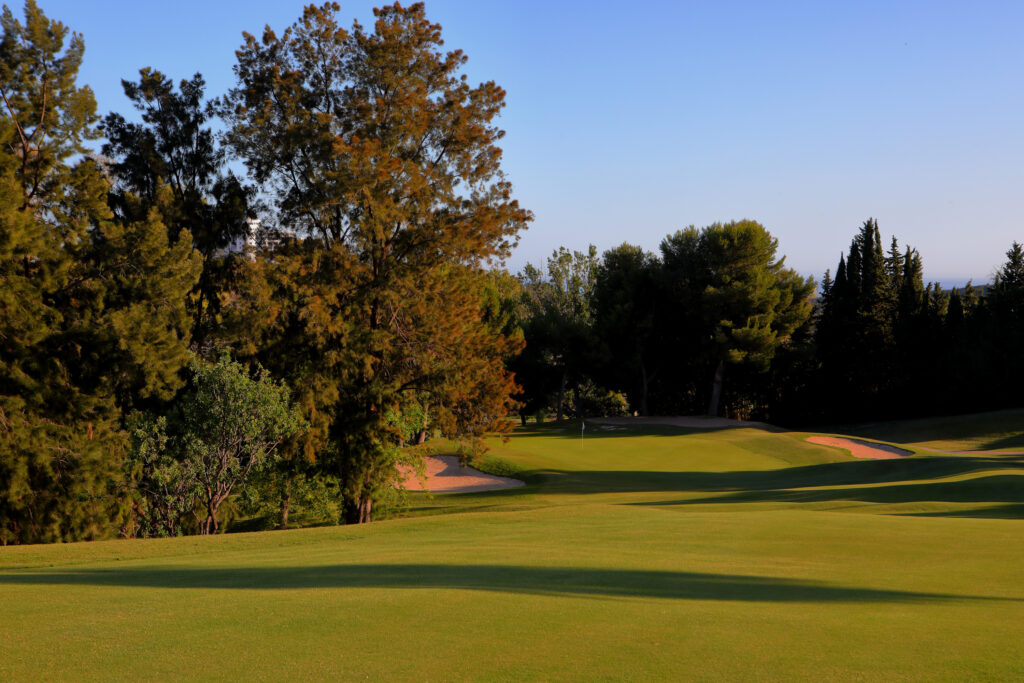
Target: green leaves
[[91, 309], [226, 426], [383, 159]]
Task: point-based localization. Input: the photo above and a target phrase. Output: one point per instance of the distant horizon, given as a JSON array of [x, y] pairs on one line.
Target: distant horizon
[[515, 264]]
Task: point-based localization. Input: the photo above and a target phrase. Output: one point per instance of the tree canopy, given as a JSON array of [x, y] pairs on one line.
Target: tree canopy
[[92, 308], [381, 155]]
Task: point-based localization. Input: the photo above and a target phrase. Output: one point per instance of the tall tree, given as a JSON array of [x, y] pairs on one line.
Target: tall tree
[[626, 294], [749, 301], [1006, 305], [91, 310], [381, 154], [171, 162], [559, 303]]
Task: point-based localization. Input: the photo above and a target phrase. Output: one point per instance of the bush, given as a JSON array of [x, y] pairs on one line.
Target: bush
[[599, 402]]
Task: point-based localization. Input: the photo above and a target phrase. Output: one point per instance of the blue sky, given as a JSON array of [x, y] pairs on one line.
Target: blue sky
[[628, 121]]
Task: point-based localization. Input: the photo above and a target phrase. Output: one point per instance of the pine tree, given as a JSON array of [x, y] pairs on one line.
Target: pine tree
[[625, 308], [91, 307], [751, 303], [171, 163], [384, 158], [1006, 305]]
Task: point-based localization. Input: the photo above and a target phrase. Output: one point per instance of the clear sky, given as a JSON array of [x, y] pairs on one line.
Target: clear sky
[[626, 121]]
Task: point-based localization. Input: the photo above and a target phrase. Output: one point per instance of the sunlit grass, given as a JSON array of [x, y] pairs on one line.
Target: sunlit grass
[[654, 553]]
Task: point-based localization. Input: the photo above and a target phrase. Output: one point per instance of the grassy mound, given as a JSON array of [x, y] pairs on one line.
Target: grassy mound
[[640, 553], [999, 430]]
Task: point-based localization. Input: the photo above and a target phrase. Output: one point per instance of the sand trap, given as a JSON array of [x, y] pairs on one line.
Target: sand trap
[[862, 449], [445, 475]]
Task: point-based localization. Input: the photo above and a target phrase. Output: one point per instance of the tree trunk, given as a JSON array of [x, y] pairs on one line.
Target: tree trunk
[[716, 390], [350, 512], [576, 400], [357, 511], [286, 499], [643, 389], [561, 398], [210, 525], [522, 418], [421, 435]]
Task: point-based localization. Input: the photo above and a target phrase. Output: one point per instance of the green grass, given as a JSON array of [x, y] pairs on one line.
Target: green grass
[[999, 430], [653, 554]]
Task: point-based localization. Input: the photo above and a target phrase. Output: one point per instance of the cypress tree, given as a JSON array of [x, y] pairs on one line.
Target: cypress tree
[[854, 273], [1006, 303], [894, 277], [911, 286]]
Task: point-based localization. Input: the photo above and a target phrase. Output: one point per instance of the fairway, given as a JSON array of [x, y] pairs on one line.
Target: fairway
[[642, 553]]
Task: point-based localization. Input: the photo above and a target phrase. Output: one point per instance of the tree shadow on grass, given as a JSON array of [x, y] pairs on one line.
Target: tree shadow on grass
[[753, 482], [1008, 442], [1005, 511], [552, 581], [1002, 488]]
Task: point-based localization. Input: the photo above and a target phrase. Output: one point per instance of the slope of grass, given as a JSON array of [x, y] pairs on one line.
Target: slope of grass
[[1003, 429], [654, 553]]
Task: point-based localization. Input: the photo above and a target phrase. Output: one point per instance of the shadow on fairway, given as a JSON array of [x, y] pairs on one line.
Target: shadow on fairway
[[1008, 442], [1003, 488], [749, 485], [989, 431], [1006, 511], [554, 581]]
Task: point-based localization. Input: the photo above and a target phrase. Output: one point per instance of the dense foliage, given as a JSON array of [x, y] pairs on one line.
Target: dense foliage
[[366, 287], [663, 330], [715, 321], [352, 271], [888, 344], [93, 319]]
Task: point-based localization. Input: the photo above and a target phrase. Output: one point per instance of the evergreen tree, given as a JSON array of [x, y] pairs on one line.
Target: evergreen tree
[[854, 273], [872, 272], [91, 321], [626, 299], [911, 287], [894, 276], [559, 305], [751, 304], [1006, 305], [170, 162], [378, 151]]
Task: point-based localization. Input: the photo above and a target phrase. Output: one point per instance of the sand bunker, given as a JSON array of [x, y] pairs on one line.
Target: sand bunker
[[862, 449], [446, 475]]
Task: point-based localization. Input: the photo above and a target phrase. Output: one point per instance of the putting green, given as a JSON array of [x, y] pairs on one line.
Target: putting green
[[654, 553]]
